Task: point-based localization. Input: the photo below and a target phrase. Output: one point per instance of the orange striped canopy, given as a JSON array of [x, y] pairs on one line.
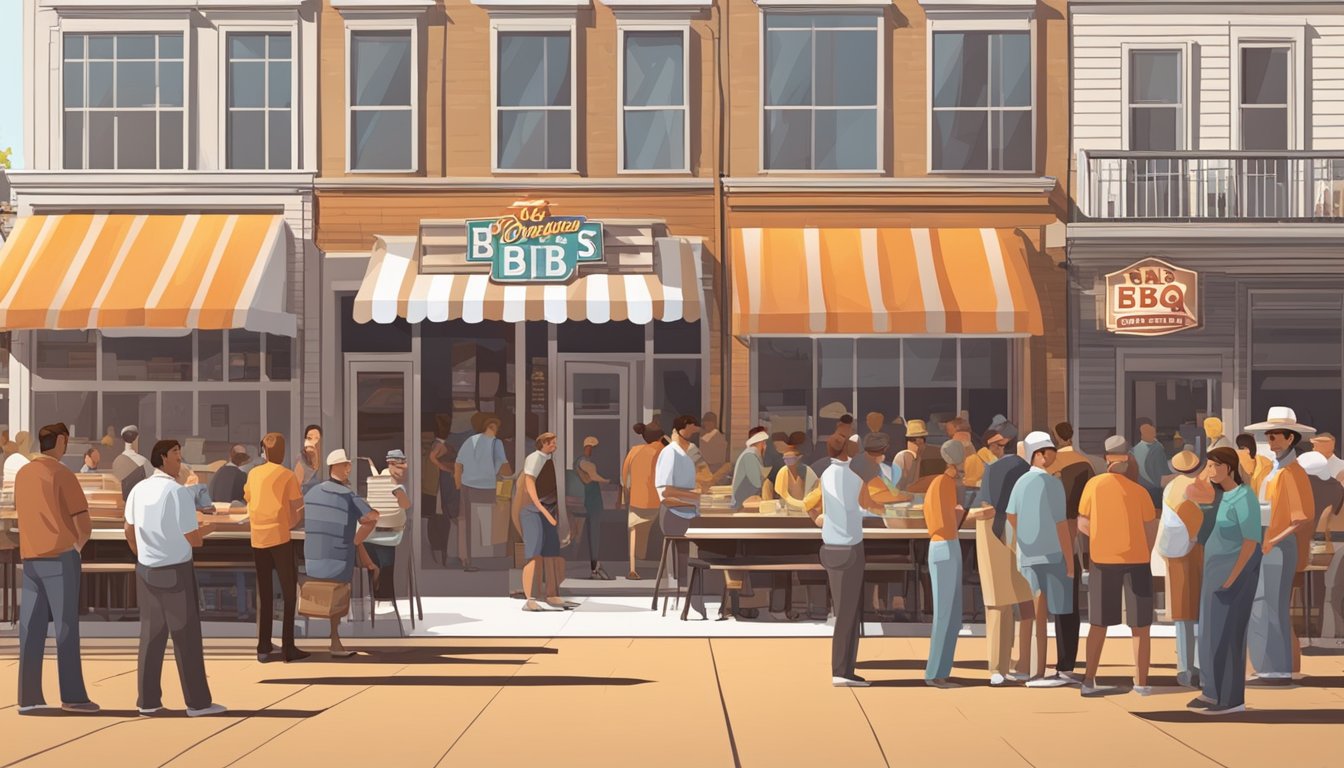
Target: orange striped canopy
[[809, 281], [149, 271]]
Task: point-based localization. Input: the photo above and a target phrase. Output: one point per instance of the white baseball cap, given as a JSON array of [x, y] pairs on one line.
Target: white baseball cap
[[337, 457], [1037, 441]]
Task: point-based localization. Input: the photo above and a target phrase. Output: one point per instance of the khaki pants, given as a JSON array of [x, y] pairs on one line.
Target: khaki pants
[[999, 625]]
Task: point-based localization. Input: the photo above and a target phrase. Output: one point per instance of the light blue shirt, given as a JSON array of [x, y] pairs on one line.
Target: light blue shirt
[[481, 457], [1153, 466], [1238, 520], [675, 469], [1038, 501], [842, 516], [748, 477]]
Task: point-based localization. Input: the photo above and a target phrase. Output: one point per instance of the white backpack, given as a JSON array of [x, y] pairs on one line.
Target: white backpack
[[1173, 538]]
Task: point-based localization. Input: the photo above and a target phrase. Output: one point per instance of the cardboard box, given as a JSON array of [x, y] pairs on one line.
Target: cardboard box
[[319, 599]]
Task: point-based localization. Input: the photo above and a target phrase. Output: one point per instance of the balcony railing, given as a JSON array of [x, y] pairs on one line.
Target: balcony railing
[[1211, 186]]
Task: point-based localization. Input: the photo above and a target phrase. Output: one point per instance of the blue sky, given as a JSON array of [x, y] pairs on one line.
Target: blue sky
[[11, 78]]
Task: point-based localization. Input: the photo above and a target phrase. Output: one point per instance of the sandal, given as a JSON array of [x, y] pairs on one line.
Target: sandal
[[531, 606], [633, 576]]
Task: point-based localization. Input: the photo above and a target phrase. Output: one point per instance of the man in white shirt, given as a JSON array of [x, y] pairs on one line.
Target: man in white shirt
[[674, 477], [836, 506], [162, 530]]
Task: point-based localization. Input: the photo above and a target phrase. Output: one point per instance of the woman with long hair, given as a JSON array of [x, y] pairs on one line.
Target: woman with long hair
[[639, 492], [1231, 572]]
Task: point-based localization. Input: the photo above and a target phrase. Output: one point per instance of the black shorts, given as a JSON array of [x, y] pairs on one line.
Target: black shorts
[[1109, 585]]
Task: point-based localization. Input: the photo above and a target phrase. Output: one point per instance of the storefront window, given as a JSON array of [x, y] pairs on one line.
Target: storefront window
[[78, 411], [676, 389], [121, 409], [468, 368], [620, 338], [147, 359], [925, 379], [66, 355], [279, 357], [676, 338], [244, 356], [1296, 356], [210, 350]]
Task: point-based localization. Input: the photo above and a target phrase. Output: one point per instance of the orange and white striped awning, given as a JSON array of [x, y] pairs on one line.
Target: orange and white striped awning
[[393, 288], [808, 281], [155, 272]]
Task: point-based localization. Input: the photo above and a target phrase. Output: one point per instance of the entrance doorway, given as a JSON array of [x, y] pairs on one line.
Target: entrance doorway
[[600, 401], [380, 418], [1176, 404]]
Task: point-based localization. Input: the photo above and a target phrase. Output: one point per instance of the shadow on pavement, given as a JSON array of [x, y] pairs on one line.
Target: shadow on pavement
[[919, 683], [170, 714], [1266, 717], [522, 681], [378, 657], [914, 664]]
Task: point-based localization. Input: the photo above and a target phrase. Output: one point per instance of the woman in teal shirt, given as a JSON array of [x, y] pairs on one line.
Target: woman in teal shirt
[[1231, 572]]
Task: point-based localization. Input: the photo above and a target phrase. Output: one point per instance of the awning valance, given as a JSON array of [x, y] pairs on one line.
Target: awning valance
[[808, 281], [158, 272], [393, 288]]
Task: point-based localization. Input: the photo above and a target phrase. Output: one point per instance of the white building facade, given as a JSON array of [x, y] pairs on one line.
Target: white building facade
[[165, 222], [1208, 136]]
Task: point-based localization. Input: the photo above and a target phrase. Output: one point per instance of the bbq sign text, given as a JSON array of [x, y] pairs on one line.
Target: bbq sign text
[[1152, 298]]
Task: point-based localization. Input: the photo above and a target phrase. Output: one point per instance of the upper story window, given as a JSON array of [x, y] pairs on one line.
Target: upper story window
[[382, 107], [654, 113], [534, 101], [982, 102], [122, 97], [1156, 101], [259, 100], [1265, 96], [822, 92]]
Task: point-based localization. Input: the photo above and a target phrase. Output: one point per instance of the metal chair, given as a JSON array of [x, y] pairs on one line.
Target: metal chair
[[393, 538]]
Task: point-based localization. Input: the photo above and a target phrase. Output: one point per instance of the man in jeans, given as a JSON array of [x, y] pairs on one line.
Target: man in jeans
[[54, 520], [162, 530], [274, 508]]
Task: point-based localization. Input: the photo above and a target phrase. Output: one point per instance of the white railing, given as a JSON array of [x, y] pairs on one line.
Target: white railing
[[1211, 186]]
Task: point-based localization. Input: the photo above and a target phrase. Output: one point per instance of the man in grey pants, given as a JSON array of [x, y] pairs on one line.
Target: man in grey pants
[[836, 505], [162, 530], [54, 524]]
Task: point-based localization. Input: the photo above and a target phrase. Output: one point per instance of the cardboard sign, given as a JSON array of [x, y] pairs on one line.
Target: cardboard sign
[[532, 246], [1152, 298]]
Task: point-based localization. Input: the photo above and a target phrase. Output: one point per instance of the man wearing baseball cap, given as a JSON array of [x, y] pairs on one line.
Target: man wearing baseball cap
[[336, 522], [1119, 519], [1040, 530]]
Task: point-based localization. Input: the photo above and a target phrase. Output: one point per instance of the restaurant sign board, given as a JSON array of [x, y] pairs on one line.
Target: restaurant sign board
[[1152, 298], [530, 245]]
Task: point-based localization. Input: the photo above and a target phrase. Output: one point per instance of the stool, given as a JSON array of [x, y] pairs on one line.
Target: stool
[[668, 542], [697, 568]]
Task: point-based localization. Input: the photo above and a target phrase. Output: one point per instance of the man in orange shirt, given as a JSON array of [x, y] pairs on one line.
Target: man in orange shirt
[[1119, 519], [1285, 494], [274, 507]]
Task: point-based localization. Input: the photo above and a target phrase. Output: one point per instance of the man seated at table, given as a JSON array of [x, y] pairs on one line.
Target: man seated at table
[[749, 471], [336, 522], [881, 486], [228, 483]]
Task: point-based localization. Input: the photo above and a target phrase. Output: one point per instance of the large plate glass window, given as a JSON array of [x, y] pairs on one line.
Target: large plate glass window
[[653, 100], [982, 102], [123, 101], [534, 107], [259, 101], [1264, 113], [821, 92], [1296, 342], [382, 111], [1156, 124]]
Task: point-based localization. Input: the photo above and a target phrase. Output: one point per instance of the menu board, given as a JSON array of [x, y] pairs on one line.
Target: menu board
[[537, 386]]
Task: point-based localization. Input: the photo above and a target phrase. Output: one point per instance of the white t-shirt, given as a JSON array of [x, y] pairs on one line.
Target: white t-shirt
[[163, 513], [13, 464], [534, 463]]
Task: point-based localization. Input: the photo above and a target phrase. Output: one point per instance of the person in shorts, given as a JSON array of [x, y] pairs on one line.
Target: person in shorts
[[539, 522], [1040, 530], [1119, 519]]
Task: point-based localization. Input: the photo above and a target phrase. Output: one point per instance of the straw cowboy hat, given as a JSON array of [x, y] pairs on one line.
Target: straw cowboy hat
[[833, 410], [916, 428], [1282, 418], [1185, 461]]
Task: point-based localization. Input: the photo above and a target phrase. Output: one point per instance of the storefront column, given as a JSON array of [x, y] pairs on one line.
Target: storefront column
[[20, 382]]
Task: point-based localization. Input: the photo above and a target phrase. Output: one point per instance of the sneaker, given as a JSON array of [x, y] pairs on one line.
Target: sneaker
[[1270, 682], [213, 709], [1092, 691], [150, 710], [1223, 710], [1200, 702], [1143, 690], [941, 684], [996, 679], [82, 708], [849, 682], [31, 708], [1018, 677], [1047, 682], [384, 606]]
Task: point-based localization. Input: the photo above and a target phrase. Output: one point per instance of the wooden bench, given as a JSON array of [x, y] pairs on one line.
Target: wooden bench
[[698, 565]]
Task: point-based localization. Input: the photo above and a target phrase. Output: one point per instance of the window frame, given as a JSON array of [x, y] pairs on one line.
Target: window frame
[[122, 26], [353, 27], [295, 99], [1187, 82], [566, 24], [1295, 42], [986, 26], [844, 9], [622, 28]]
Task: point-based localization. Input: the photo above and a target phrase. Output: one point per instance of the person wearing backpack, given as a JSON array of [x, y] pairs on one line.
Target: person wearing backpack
[[1177, 541]]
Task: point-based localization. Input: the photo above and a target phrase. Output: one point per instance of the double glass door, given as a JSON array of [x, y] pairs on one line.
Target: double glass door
[[599, 403], [379, 418], [1177, 405]]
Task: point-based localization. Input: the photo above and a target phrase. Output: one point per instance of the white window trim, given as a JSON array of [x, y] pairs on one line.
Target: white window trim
[[1294, 37], [781, 7], [684, 27], [382, 25], [116, 26], [295, 97], [567, 24], [1187, 111], [979, 23]]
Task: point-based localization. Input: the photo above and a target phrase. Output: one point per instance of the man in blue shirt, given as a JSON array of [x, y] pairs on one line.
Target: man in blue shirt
[[1040, 530], [335, 524], [1152, 461], [480, 462]]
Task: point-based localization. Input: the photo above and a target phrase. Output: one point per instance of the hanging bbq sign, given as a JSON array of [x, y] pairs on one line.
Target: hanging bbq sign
[[1152, 298]]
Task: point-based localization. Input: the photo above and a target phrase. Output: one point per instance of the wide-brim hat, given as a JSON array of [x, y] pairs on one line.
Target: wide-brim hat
[[1185, 461], [916, 428], [833, 410], [1282, 418], [337, 456]]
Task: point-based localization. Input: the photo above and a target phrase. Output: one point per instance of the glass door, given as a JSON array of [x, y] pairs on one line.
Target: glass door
[[598, 404], [1177, 405], [379, 419]]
